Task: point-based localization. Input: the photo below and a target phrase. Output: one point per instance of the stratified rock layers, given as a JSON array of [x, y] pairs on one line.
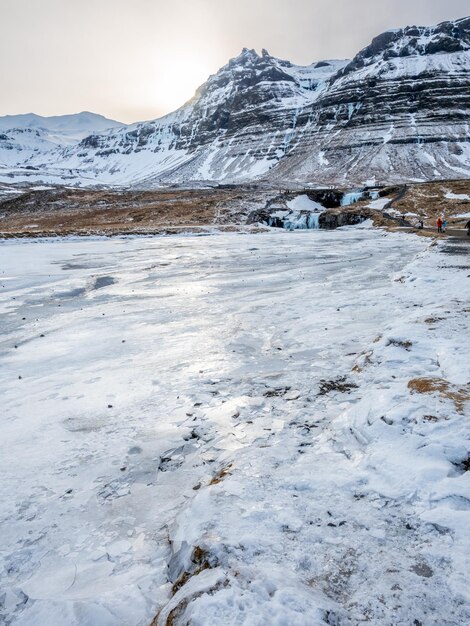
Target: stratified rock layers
[[399, 111]]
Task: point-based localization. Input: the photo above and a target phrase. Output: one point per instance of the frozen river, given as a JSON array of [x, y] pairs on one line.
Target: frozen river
[[134, 371]]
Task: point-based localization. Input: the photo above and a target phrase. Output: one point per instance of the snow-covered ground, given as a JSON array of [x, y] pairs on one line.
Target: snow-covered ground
[[457, 196], [163, 412], [379, 204], [304, 203]]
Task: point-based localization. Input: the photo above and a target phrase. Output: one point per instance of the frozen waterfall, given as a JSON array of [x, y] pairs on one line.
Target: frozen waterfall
[[351, 197], [302, 220], [302, 214]]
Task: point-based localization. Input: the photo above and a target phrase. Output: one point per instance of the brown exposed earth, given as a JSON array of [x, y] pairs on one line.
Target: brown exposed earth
[[429, 201], [459, 395], [62, 211], [67, 211], [412, 202]]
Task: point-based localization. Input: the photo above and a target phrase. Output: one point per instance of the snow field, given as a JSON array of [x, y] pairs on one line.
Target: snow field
[[362, 497], [231, 415]]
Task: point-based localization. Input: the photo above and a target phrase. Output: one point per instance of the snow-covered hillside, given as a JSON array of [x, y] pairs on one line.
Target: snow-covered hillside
[[60, 127], [27, 141], [400, 110], [240, 123]]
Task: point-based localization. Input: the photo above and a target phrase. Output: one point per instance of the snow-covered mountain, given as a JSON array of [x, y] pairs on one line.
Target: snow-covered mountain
[[239, 124], [400, 110], [30, 139], [60, 127]]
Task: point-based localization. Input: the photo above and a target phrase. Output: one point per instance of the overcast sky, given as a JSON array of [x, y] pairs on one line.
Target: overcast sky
[[138, 59]]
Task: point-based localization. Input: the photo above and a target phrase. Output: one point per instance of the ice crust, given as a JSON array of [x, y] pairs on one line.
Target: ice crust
[[169, 400]]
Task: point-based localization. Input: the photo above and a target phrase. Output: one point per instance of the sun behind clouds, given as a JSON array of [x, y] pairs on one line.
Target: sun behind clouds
[[178, 80]]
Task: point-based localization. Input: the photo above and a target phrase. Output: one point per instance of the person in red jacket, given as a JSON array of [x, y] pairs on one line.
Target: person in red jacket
[[439, 225]]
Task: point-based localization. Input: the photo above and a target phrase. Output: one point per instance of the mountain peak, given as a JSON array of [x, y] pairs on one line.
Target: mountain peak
[[445, 38], [248, 53]]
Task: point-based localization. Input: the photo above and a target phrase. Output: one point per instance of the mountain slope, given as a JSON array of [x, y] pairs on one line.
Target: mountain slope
[[238, 125], [75, 126], [400, 110]]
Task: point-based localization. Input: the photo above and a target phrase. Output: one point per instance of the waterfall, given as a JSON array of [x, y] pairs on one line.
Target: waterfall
[[351, 197], [301, 213], [314, 220], [302, 220]]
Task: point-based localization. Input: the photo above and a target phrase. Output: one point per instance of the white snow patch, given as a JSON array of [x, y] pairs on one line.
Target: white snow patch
[[457, 196], [379, 204], [303, 203]]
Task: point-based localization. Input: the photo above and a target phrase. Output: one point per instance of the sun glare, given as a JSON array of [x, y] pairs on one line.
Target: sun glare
[[178, 80]]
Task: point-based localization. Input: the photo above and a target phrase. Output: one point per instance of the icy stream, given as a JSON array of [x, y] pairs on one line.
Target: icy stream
[[133, 371]]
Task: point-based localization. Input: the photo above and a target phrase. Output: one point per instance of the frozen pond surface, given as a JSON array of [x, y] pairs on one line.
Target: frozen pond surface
[[134, 371]]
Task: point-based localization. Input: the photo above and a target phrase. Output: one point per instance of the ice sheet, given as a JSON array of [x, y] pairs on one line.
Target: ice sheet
[[162, 394]]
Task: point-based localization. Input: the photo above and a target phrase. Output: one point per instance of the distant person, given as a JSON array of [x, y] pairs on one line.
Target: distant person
[[444, 226], [439, 225], [420, 224], [467, 226]]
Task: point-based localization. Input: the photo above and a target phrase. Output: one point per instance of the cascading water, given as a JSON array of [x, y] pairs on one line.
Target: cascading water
[[314, 220]]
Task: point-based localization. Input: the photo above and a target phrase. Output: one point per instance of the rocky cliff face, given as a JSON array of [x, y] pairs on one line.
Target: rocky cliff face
[[398, 111]]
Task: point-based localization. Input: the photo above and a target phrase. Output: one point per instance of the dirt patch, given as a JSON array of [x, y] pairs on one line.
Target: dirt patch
[[179, 610], [433, 320], [430, 418], [422, 569], [219, 477], [335, 582], [364, 360], [459, 395], [200, 560], [276, 392], [464, 464]]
